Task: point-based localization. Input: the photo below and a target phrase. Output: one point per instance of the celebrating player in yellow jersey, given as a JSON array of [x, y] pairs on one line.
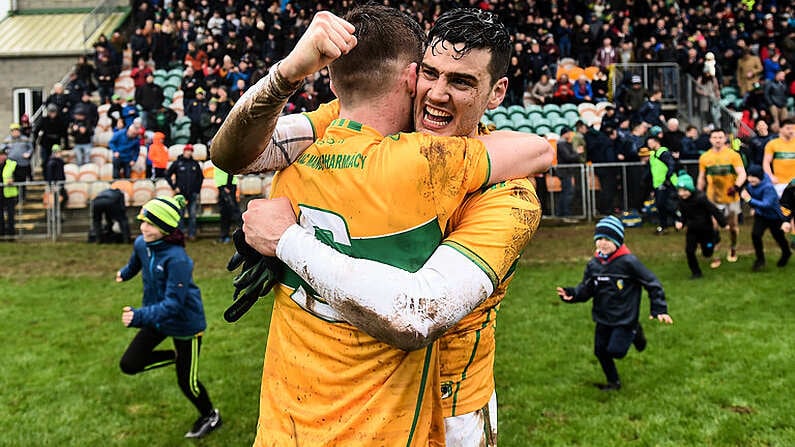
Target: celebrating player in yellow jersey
[[779, 159], [721, 174], [509, 210]]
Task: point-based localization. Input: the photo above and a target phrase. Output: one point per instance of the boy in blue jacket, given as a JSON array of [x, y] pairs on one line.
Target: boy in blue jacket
[[761, 195], [172, 307], [613, 278]]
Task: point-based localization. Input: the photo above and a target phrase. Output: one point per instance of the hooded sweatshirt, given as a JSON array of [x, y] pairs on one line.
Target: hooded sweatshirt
[[158, 152], [764, 199]]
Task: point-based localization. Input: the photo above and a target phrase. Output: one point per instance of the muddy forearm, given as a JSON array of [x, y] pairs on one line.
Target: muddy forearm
[[247, 130]]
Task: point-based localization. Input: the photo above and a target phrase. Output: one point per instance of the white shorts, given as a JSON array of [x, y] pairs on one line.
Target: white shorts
[[730, 209], [475, 429]]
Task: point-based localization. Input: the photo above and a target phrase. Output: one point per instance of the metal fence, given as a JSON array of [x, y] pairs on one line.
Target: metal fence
[[598, 189]]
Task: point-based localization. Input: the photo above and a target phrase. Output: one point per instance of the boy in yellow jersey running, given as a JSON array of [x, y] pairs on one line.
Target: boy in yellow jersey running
[[329, 407], [721, 174], [778, 161], [491, 227]]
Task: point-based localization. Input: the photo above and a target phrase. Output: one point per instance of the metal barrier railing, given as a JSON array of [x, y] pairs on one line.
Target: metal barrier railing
[[98, 15], [587, 194]]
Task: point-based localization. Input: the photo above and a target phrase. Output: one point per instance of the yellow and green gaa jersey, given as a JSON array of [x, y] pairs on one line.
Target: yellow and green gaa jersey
[[721, 169], [492, 228], [783, 164], [324, 381]]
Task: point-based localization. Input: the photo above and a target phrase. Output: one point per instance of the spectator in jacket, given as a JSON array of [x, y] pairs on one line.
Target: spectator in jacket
[[582, 90], [9, 194], [567, 154], [150, 97], [776, 95], [108, 209], [614, 278], [172, 307], [762, 197], [51, 129], [82, 134], [194, 110], [541, 92], [140, 73], [20, 150], [185, 177], [697, 214], [125, 146], [757, 143], [55, 175], [651, 110], [158, 156], [563, 92], [663, 177]]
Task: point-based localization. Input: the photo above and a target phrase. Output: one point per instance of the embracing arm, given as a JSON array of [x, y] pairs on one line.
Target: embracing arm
[[516, 154], [404, 309]]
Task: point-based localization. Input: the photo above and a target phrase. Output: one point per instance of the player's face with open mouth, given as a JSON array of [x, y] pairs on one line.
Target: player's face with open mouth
[[453, 91]]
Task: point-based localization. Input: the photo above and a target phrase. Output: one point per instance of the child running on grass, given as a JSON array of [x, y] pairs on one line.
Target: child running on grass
[[172, 307], [613, 278], [698, 214]]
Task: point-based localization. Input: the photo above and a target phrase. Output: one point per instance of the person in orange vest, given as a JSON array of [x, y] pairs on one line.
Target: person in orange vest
[[158, 155]]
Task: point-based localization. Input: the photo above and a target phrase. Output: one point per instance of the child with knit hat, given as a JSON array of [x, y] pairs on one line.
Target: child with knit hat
[[172, 307], [614, 278], [761, 195], [699, 215]]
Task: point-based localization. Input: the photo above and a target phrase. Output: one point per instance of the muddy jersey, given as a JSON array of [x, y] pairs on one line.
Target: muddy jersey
[[491, 228], [324, 381], [721, 169]]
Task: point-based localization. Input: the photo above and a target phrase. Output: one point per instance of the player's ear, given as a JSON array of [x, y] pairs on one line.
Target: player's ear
[[410, 77], [497, 93]]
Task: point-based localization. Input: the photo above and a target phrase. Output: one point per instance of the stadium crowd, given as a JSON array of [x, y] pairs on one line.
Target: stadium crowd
[[222, 48]]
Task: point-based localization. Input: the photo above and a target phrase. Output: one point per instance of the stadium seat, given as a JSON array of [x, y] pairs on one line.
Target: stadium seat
[[516, 110], [542, 130], [571, 116], [208, 169], [102, 110], [100, 155], [600, 107], [88, 172], [71, 170], [200, 151], [125, 186], [533, 108], [502, 122], [251, 185], [500, 110], [568, 107], [525, 129], [106, 172], [143, 191], [77, 194], [162, 188], [535, 115], [97, 187], [102, 137], [586, 106], [168, 92], [209, 192], [174, 151], [178, 107], [175, 72]]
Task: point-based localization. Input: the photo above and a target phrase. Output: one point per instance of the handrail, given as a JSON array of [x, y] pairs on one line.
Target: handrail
[[98, 15]]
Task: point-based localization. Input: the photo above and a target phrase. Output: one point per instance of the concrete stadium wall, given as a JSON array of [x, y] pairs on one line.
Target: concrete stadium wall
[[29, 72]]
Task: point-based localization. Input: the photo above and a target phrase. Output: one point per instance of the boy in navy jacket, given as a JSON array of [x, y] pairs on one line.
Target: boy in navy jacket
[[761, 195], [614, 278], [172, 307]]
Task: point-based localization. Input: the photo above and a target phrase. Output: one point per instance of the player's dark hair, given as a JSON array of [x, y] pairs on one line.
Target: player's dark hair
[[387, 40], [472, 28]]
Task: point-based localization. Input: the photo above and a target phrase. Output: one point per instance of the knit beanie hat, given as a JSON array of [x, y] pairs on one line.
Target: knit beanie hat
[[163, 212], [756, 171], [610, 228], [686, 182]]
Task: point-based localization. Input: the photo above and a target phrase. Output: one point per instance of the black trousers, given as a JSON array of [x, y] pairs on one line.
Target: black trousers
[[108, 211], [141, 356], [760, 225], [229, 209], [612, 342], [707, 239], [8, 206]]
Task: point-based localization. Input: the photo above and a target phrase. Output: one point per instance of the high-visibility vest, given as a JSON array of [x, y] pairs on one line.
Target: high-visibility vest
[[659, 169], [9, 190]]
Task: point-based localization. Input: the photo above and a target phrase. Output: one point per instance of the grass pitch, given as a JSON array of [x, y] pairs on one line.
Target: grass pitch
[[722, 375]]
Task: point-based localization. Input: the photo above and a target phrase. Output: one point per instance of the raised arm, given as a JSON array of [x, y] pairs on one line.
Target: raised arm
[[248, 129]]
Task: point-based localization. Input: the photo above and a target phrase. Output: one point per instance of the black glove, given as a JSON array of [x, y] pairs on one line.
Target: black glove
[[257, 277], [732, 191]]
